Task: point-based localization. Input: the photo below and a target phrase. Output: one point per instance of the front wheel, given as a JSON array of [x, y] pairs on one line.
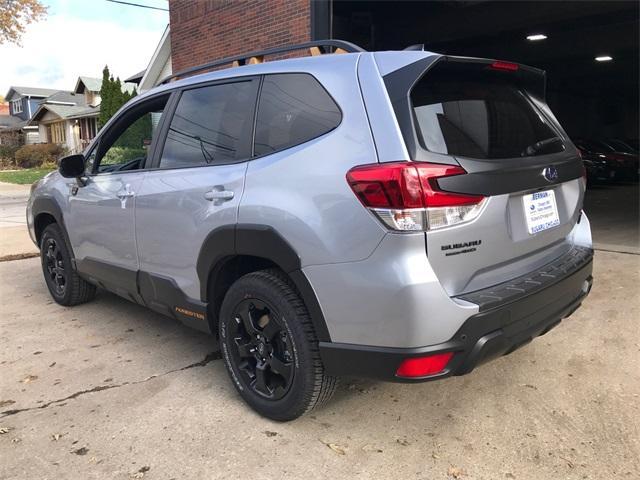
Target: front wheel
[[270, 347], [64, 284]]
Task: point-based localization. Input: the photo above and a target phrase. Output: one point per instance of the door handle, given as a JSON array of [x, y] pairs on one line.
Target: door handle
[[126, 193], [219, 195]]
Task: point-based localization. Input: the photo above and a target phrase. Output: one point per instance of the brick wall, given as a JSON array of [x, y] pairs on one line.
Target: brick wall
[[205, 30]]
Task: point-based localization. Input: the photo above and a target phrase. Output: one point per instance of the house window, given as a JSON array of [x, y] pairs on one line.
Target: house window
[[55, 132], [16, 106], [88, 129]]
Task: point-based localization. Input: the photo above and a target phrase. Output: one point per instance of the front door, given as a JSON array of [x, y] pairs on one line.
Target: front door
[[101, 221]]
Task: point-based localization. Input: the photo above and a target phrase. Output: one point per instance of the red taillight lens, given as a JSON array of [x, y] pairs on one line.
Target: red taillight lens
[[405, 196], [391, 185], [433, 196], [405, 185], [508, 66], [424, 366]]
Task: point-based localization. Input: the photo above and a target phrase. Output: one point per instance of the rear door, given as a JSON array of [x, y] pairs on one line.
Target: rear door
[[491, 119], [196, 185]]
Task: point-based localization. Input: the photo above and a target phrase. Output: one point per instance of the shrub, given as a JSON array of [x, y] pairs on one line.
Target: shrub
[[7, 155], [118, 155], [30, 156]]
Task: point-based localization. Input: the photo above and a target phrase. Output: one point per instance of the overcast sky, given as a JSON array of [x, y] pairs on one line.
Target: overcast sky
[[80, 37]]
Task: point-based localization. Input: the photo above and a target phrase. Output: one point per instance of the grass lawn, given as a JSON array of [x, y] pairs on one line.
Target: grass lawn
[[25, 176]]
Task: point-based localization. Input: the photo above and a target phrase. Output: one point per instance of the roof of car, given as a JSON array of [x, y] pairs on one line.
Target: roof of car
[[387, 62]]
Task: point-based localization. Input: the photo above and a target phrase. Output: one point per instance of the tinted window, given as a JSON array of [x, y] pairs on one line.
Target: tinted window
[[293, 109], [208, 125], [479, 114]]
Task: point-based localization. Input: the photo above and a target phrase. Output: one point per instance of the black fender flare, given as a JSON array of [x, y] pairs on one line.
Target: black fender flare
[[49, 205], [260, 241]]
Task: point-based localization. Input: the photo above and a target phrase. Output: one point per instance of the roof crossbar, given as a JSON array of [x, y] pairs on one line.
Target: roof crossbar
[[255, 57]]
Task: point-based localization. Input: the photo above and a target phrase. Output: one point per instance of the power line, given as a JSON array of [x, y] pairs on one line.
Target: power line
[[138, 5]]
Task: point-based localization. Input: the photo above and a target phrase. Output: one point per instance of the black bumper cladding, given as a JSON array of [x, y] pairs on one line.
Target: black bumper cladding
[[511, 314]]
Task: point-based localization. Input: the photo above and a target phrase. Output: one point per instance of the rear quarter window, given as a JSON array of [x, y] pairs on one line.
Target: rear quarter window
[[293, 108], [479, 114]]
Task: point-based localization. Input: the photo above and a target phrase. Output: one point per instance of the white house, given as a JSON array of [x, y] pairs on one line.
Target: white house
[[159, 66]]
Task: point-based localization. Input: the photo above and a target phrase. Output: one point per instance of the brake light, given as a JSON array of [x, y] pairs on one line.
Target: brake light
[[508, 66], [424, 366], [405, 196]]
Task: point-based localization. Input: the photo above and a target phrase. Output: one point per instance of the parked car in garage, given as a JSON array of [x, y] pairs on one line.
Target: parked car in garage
[[620, 146], [598, 169], [625, 164]]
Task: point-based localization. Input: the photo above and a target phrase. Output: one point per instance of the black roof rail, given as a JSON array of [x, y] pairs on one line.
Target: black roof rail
[[348, 47]]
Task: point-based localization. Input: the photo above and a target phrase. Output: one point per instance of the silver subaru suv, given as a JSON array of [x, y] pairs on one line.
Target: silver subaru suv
[[400, 215]]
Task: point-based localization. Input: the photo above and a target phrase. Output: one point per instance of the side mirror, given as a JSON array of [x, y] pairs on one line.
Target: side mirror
[[71, 166]]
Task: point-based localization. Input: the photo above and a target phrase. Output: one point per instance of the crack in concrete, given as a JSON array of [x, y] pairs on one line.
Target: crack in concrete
[[210, 357]]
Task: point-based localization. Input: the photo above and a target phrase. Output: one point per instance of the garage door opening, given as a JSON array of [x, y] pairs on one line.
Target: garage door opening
[[589, 51]]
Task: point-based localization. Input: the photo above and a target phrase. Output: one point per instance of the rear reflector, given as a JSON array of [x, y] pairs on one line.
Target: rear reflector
[[405, 196], [424, 366], [511, 67]]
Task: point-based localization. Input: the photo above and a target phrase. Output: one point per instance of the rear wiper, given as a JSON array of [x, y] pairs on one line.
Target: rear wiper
[[536, 147]]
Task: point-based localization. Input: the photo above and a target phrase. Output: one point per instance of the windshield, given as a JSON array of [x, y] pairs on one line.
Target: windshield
[[474, 112]]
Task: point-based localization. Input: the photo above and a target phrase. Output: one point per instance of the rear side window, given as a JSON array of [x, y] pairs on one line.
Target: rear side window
[[478, 113], [208, 125], [293, 108]]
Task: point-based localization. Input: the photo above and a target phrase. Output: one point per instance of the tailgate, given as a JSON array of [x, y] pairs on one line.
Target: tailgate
[[491, 118]]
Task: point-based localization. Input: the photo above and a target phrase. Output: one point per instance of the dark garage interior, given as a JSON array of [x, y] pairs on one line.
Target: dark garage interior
[[588, 49]]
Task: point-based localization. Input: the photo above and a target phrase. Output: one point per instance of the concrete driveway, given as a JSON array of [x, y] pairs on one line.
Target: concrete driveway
[[14, 238], [111, 390]]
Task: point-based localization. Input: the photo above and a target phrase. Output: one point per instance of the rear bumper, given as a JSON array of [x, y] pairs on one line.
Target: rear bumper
[[510, 315]]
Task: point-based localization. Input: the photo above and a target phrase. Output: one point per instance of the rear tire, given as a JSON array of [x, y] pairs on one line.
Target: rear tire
[[270, 348], [64, 284]]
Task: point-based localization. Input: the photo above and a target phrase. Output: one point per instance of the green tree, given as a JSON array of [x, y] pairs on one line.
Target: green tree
[[112, 97]]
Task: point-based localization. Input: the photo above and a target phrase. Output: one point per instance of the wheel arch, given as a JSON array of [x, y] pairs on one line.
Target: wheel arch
[[45, 211], [232, 251]]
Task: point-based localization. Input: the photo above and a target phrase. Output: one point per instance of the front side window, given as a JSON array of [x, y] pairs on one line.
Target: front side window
[[126, 145], [293, 108], [209, 124], [478, 113]]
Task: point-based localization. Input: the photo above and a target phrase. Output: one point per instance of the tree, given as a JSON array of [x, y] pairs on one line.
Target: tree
[[105, 98], [111, 97], [15, 15]]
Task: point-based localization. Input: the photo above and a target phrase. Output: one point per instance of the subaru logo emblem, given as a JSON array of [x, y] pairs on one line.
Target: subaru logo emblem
[[550, 173]]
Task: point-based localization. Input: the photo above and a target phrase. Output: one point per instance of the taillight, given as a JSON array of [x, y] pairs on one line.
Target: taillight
[[405, 196], [424, 366], [508, 66]]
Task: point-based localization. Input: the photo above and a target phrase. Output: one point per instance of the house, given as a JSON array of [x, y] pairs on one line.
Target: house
[[65, 118], [159, 66], [23, 102], [71, 118]]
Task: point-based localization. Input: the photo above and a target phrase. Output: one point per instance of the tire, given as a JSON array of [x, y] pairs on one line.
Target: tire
[[63, 282], [284, 378]]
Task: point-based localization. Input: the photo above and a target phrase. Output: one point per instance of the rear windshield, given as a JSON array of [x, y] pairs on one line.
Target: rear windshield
[[476, 112]]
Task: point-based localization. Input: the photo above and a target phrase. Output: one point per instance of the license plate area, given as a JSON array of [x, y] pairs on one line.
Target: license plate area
[[540, 211]]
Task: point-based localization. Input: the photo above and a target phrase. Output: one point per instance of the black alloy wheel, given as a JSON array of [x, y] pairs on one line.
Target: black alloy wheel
[[261, 349], [65, 285], [54, 264], [270, 348]]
